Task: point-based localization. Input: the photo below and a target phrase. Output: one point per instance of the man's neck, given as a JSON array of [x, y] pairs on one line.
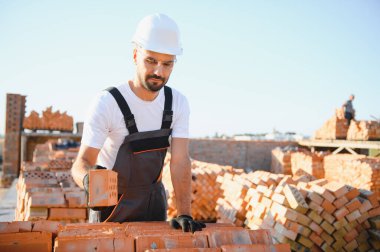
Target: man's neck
[[138, 89]]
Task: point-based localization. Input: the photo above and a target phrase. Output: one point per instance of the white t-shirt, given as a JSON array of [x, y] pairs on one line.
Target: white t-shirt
[[105, 128]]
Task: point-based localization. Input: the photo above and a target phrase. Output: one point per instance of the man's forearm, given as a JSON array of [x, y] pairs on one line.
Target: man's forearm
[[181, 179]]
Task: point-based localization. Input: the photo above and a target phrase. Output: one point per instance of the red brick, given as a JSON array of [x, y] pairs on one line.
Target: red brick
[[351, 235], [256, 248], [102, 188], [76, 199], [328, 206], [119, 244], [338, 189], [26, 241], [160, 241], [15, 226], [374, 212], [67, 213], [316, 239], [47, 226], [339, 202], [185, 250], [219, 237], [260, 236], [340, 213], [316, 228], [353, 205]]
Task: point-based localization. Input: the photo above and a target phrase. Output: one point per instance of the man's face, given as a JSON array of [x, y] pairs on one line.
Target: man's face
[[153, 69], [352, 97]]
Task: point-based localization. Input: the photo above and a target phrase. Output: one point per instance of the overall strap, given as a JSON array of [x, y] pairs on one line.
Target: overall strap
[[167, 116], [129, 118]]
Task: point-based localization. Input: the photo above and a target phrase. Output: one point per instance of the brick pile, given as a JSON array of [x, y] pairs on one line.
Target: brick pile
[[49, 121], [30, 236], [334, 128], [133, 236], [356, 170], [46, 189], [230, 206], [146, 236], [281, 163], [316, 215], [364, 130], [205, 189], [309, 162]]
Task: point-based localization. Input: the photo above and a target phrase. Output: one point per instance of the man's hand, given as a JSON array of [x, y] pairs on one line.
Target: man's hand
[[86, 183], [187, 224]]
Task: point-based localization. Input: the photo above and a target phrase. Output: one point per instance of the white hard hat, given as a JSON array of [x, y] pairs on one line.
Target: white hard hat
[[158, 33]]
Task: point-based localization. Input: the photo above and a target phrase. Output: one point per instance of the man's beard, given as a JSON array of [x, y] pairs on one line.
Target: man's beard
[[151, 86]]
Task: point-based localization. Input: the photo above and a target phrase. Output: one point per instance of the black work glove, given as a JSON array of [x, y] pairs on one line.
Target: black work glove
[[187, 224], [86, 183]]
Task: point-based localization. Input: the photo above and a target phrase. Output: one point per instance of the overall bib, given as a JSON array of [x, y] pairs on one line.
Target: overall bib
[[139, 164]]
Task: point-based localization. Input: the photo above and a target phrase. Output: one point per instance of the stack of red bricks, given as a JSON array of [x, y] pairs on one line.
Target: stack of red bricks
[[356, 170], [49, 121], [316, 215], [334, 128], [281, 161], [133, 236], [46, 189], [159, 236], [231, 206], [205, 189], [364, 130], [309, 162], [28, 236]]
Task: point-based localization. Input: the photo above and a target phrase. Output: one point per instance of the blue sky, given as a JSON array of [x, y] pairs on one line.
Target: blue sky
[[247, 67]]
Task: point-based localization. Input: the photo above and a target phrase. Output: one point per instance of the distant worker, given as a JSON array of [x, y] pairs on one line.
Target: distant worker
[[128, 130], [349, 111]]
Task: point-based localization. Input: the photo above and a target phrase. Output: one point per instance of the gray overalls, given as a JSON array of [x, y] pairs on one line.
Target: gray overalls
[[139, 163]]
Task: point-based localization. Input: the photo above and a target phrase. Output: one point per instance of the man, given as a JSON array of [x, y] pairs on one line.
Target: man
[[128, 130], [349, 111]]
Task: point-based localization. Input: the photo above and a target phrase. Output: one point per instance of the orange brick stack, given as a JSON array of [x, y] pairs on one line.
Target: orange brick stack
[[28, 236], [364, 130], [205, 189], [46, 189], [231, 206], [335, 128], [309, 162], [49, 121], [316, 215], [356, 170], [159, 236], [281, 161]]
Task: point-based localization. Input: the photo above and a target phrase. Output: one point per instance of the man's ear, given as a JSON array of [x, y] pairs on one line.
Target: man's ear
[[135, 56]]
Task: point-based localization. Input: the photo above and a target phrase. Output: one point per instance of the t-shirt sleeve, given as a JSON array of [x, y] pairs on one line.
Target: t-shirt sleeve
[[181, 120], [97, 124]]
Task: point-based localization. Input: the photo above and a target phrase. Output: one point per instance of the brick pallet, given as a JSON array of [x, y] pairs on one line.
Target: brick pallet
[[316, 215], [49, 121], [309, 162], [334, 128], [46, 189], [134, 236], [281, 161], [364, 130], [205, 189], [356, 170]]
